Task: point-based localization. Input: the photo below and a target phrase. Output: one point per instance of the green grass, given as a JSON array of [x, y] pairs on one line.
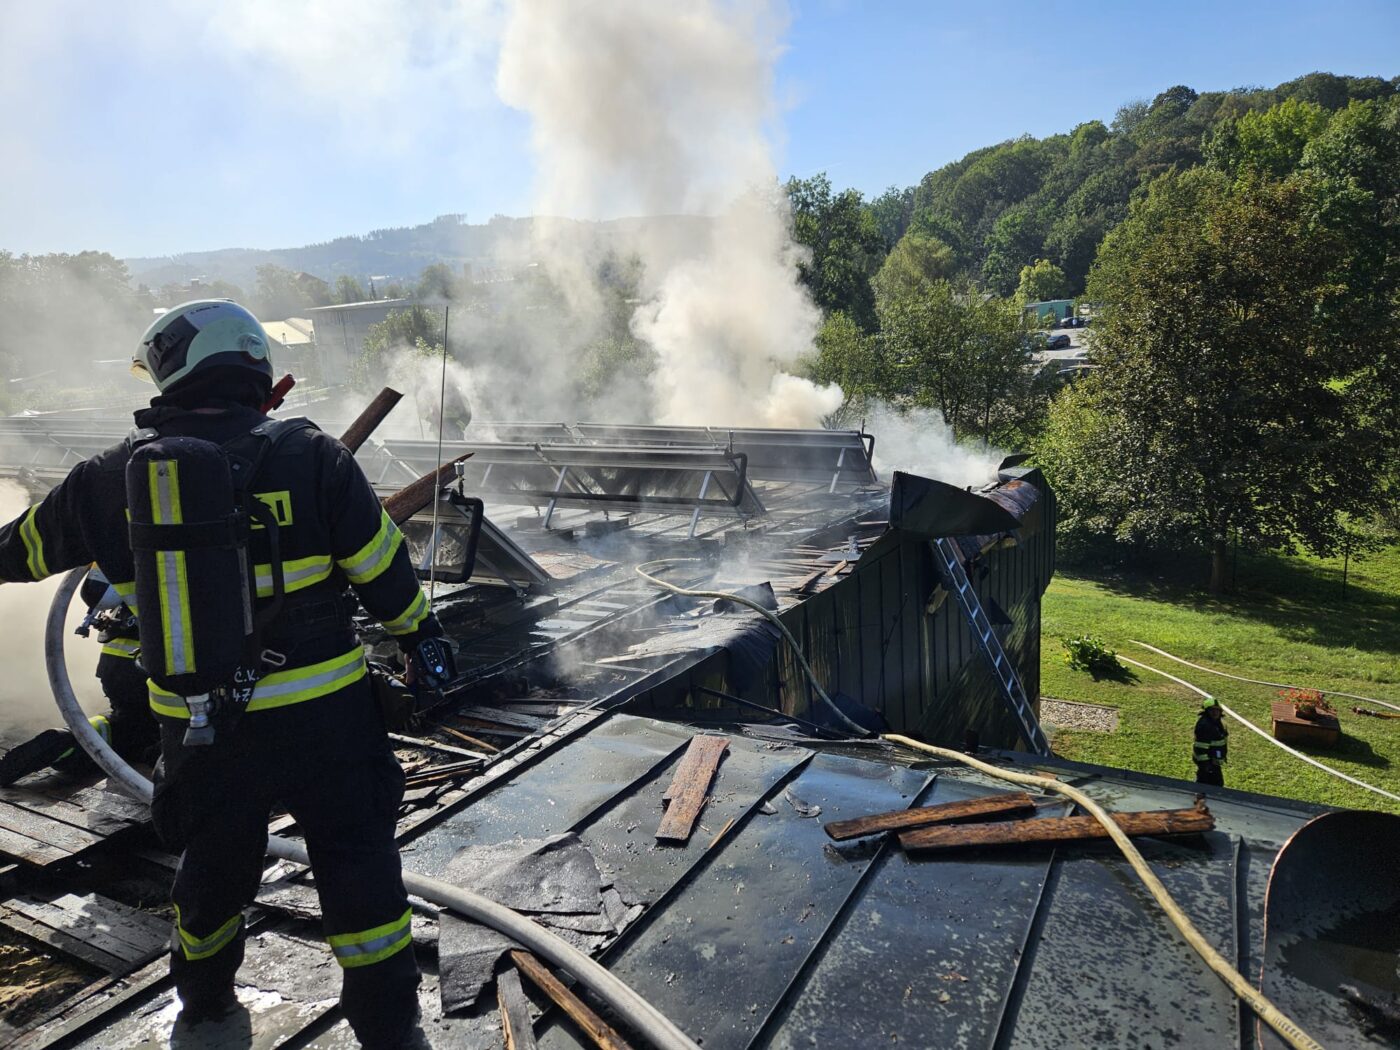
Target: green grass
[[1286, 621]]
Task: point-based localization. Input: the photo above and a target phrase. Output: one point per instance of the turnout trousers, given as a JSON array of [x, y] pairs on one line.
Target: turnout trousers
[[329, 763]]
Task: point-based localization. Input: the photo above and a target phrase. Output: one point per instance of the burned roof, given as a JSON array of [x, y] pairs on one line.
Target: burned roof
[[542, 773], [762, 931]]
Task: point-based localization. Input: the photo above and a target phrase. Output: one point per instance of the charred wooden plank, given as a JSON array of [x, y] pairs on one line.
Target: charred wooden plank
[[500, 717], [515, 1012], [416, 495], [590, 1023], [693, 759], [944, 813], [1058, 829], [31, 851], [367, 422], [685, 798], [41, 828]]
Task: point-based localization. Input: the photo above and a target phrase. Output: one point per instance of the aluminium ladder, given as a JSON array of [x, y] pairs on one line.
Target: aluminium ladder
[[990, 645]]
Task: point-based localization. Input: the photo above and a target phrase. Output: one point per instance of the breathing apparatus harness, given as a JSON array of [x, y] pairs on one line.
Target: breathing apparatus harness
[[192, 514]]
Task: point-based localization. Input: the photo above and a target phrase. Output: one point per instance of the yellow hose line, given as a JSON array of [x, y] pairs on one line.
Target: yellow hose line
[[767, 613], [1259, 681], [1267, 1011], [1250, 725]]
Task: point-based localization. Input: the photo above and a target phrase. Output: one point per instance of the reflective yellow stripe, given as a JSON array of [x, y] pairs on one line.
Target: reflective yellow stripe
[[196, 948], [283, 687], [127, 592], [412, 617], [124, 647], [302, 572], [371, 946], [171, 574], [33, 544], [374, 557]]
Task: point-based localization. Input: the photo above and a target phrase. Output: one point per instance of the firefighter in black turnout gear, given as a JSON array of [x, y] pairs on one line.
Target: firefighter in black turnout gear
[[1211, 744], [297, 726]]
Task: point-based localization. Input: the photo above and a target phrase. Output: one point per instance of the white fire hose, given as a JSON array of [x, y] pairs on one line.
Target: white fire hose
[[630, 1006]]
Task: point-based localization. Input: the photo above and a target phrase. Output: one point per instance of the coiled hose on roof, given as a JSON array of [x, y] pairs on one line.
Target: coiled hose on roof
[[630, 1006]]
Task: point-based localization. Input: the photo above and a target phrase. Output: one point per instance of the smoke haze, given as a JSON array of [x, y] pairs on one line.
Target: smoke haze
[[26, 698], [653, 109]]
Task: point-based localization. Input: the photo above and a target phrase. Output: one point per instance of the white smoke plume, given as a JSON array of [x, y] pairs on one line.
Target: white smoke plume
[[25, 699], [918, 441], [656, 109]]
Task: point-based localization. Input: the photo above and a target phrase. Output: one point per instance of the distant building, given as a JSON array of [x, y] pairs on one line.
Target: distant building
[[1056, 308], [341, 330], [294, 348]]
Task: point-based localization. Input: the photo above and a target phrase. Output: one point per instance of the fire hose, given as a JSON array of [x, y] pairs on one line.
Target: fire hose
[[630, 1006], [1288, 1030]]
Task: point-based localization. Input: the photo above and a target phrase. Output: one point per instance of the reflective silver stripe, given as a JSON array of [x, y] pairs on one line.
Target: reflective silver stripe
[[294, 578], [408, 621], [365, 565], [346, 952], [325, 680]]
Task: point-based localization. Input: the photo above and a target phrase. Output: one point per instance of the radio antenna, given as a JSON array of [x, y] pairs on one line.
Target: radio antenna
[[437, 489]]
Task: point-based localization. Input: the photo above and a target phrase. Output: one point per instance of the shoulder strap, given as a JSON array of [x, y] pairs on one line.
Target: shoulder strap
[[250, 450], [139, 436]]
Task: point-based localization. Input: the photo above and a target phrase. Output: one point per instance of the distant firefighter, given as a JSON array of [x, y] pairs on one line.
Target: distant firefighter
[[456, 412], [1212, 742]]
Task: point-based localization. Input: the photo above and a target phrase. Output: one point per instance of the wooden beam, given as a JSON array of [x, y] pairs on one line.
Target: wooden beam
[[1058, 829], [416, 495], [590, 1023], [515, 1012], [368, 421], [690, 787], [692, 761], [944, 813]]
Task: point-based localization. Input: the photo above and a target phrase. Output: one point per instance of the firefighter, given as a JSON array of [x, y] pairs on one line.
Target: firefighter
[[1212, 742], [310, 737]]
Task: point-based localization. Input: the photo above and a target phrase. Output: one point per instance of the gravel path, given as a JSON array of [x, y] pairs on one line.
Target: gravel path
[[1087, 718]]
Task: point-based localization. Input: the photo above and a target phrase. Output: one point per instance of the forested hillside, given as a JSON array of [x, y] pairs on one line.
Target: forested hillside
[[1003, 207]]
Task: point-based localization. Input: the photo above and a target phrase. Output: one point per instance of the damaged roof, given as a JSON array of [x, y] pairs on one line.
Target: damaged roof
[[762, 931]]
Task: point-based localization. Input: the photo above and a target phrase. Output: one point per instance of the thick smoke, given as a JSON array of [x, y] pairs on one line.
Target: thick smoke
[[920, 442], [27, 701], [655, 109]]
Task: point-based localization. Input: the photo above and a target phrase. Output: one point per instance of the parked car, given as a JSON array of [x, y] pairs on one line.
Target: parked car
[[1057, 342]]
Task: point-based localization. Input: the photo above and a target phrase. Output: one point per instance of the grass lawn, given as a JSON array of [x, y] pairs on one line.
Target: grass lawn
[[1286, 621]]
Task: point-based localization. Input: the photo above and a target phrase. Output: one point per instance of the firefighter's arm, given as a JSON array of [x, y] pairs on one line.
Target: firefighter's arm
[[370, 550], [47, 538]]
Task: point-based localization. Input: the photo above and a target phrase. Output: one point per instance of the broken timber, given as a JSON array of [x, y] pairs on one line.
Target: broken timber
[[685, 798], [100, 932], [945, 813], [1058, 829], [519, 1029], [594, 1026]]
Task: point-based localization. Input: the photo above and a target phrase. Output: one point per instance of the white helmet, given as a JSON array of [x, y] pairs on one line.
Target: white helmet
[[197, 335]]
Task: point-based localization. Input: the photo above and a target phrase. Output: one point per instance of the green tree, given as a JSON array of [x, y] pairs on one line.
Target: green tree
[[1222, 416], [417, 330], [1040, 282], [349, 290], [915, 263], [284, 293], [852, 359], [436, 283], [845, 244], [1269, 142]]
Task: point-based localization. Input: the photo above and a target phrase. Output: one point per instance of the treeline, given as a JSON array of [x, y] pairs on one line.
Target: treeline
[[1243, 250]]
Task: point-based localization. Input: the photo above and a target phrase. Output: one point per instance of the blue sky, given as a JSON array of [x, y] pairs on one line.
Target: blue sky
[[158, 126]]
